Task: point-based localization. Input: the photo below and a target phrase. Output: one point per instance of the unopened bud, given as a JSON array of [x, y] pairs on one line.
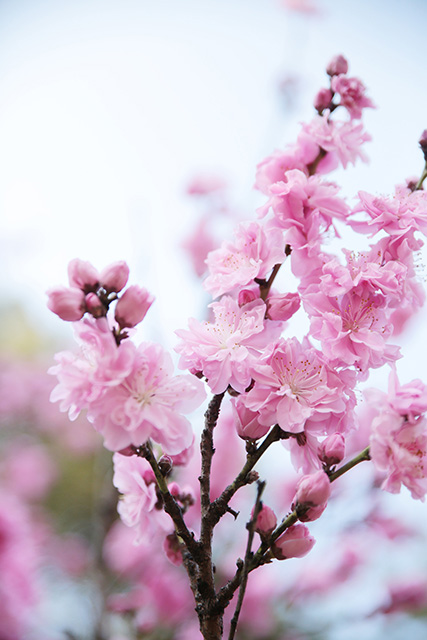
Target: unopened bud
[[83, 275], [332, 449], [245, 296], [67, 303], [114, 277], [95, 306], [313, 489], [266, 521], [282, 306], [133, 306], [337, 65], [165, 465], [423, 143], [323, 100], [295, 542]]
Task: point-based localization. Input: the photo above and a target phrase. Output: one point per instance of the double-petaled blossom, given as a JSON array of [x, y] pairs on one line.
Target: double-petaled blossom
[[253, 254], [352, 94], [134, 478], [300, 203], [398, 443], [226, 350], [398, 448], [353, 328], [99, 363], [295, 388], [406, 211], [341, 140], [147, 403]]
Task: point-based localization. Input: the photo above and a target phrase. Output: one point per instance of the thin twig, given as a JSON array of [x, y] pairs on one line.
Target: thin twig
[[248, 557]]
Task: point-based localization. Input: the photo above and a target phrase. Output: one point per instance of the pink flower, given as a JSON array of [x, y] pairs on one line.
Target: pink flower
[[343, 140], [83, 377], [293, 386], [67, 303], [399, 449], [352, 92], [407, 210], [225, 351], [147, 403], [133, 477], [353, 328], [295, 542], [295, 200], [132, 306], [253, 254]]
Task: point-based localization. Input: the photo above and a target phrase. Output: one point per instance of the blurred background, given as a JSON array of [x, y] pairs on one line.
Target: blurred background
[[108, 112]]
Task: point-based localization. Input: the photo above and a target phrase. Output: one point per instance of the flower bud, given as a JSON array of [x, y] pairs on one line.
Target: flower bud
[[266, 521], [313, 490], [332, 449], [247, 422], [282, 307], [423, 143], [94, 306], [83, 275], [295, 542], [67, 303], [337, 65], [114, 277], [133, 306], [172, 549], [323, 100], [245, 296]]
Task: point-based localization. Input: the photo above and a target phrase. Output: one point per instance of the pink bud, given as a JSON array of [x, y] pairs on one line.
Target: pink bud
[[94, 306], [68, 304], [266, 521], [174, 489], [282, 307], [423, 143], [172, 549], [295, 542], [332, 449], [133, 306], [114, 277], [247, 422], [323, 100], [245, 296], [82, 275], [313, 490], [337, 65], [308, 514]]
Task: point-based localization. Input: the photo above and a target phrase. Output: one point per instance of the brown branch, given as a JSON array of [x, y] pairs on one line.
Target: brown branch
[[248, 557]]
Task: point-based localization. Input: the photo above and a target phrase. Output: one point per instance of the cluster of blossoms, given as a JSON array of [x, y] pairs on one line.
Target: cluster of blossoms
[[302, 393]]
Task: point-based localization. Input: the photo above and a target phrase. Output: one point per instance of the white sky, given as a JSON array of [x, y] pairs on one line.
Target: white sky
[[108, 108]]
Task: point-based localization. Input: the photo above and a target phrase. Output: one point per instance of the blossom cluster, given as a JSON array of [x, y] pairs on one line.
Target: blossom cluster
[[301, 392]]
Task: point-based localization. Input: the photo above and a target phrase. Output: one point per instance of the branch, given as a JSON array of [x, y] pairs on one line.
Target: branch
[[260, 558], [219, 506], [170, 505], [207, 451], [248, 557]]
